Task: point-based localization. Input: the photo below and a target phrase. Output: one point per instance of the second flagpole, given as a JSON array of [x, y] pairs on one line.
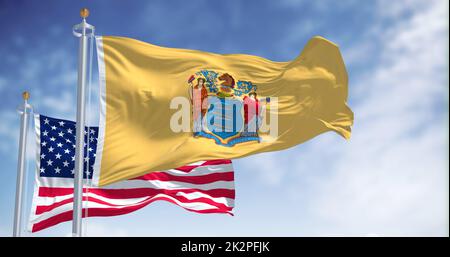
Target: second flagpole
[[25, 113], [84, 31]]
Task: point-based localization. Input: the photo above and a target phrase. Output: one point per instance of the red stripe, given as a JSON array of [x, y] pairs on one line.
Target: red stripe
[[133, 192], [202, 179], [46, 208], [98, 212]]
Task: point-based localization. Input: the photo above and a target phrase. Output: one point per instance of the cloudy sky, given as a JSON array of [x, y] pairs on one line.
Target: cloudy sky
[[390, 179]]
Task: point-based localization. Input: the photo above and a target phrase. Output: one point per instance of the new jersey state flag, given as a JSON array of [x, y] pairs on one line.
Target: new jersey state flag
[[163, 108]]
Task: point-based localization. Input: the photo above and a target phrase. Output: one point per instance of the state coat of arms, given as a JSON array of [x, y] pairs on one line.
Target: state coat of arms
[[223, 109]]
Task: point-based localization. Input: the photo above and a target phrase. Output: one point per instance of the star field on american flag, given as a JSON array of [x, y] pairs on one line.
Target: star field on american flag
[[57, 148]]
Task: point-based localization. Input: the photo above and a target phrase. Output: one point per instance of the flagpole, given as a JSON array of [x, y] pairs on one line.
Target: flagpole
[[24, 113], [83, 31]]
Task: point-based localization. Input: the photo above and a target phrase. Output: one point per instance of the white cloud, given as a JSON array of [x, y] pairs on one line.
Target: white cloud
[[50, 95], [64, 103], [395, 9], [266, 167], [2, 83], [4, 232], [96, 229], [391, 178], [9, 132]]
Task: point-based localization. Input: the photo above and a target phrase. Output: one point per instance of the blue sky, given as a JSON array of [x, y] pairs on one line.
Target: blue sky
[[391, 178]]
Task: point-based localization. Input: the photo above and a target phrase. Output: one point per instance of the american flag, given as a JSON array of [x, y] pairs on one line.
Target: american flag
[[203, 187]]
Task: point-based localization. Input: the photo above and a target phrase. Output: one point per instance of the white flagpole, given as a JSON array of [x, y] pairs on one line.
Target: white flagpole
[[25, 112], [83, 31]]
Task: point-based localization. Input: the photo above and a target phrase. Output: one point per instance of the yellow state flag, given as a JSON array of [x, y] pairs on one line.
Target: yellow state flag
[[163, 108]]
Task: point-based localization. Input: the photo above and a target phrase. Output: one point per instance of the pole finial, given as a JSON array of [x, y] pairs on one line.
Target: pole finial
[[26, 95], [84, 13]]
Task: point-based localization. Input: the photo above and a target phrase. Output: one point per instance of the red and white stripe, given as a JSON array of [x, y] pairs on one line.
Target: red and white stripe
[[203, 187]]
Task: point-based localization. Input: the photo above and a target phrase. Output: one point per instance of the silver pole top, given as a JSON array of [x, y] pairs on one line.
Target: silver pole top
[[83, 28]]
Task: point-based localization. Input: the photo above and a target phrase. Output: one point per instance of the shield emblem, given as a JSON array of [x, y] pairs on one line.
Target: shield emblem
[[224, 118], [221, 116]]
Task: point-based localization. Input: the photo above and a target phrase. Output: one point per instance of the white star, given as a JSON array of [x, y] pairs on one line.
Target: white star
[[42, 170], [67, 151], [72, 171], [61, 123], [57, 170], [73, 146], [69, 131], [49, 162], [44, 143], [90, 149], [51, 149], [88, 173], [91, 139], [45, 133], [92, 131], [73, 158], [46, 121], [61, 134], [53, 127], [85, 132], [86, 159], [68, 141], [58, 156], [52, 139], [42, 156], [95, 155], [66, 164], [59, 145]]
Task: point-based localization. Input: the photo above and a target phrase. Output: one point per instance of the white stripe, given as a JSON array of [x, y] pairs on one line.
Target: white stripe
[[202, 170], [196, 163], [101, 128], [128, 184], [47, 201], [37, 130], [69, 206], [169, 185], [195, 195]]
